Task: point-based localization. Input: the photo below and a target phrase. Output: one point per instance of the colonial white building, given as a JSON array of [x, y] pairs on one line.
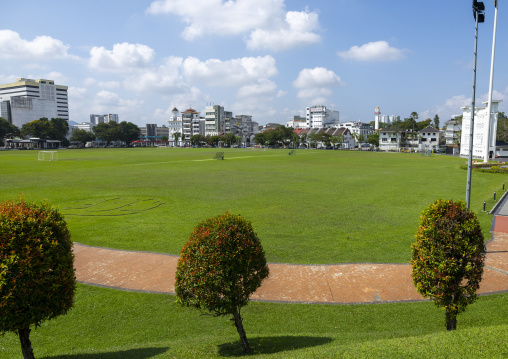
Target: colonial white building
[[319, 116], [429, 139], [358, 129], [175, 125], [28, 100], [482, 142]]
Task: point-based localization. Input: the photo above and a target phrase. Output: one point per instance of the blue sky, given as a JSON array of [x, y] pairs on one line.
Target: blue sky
[[266, 58]]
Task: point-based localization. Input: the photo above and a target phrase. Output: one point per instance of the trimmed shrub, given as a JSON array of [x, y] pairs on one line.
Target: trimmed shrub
[[220, 266], [37, 280], [448, 256]]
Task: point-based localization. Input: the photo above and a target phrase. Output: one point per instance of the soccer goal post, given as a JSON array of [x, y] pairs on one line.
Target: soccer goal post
[[48, 156]]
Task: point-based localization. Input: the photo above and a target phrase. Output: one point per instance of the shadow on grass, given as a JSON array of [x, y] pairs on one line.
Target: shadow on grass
[[140, 353], [271, 345]]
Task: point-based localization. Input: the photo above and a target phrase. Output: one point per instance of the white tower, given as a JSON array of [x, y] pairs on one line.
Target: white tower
[[174, 113], [377, 112]]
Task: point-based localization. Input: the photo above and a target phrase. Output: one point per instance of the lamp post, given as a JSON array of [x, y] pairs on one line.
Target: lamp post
[[491, 85], [478, 12]]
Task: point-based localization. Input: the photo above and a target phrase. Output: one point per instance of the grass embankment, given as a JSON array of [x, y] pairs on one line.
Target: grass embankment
[[107, 323], [315, 207]]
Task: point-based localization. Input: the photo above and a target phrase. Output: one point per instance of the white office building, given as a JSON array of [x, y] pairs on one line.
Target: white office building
[[482, 132], [27, 100], [319, 116]]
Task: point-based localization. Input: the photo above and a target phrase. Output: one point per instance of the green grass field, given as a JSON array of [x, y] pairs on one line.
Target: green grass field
[[107, 324], [316, 207]]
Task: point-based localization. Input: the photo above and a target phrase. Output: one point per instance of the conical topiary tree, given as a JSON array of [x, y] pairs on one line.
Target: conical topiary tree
[[37, 279], [220, 266], [448, 256]]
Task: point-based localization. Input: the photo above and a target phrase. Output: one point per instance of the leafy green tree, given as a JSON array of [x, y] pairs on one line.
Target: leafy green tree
[[82, 136], [214, 140], [260, 138], [423, 124], [448, 256], [54, 129], [164, 138], [107, 132], [176, 136], [436, 122], [112, 131], [59, 129], [373, 139], [7, 129], [230, 139], [220, 266], [128, 132], [37, 280], [313, 139], [197, 140], [303, 139], [502, 127], [325, 139], [39, 128], [337, 140]]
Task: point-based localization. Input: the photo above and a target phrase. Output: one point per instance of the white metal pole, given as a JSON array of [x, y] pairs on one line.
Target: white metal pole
[[491, 85]]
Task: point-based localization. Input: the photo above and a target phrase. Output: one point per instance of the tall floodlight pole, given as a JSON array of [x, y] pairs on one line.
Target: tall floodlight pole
[[478, 12], [491, 85]]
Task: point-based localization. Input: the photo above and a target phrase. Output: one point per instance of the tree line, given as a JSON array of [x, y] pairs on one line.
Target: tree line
[[58, 128]]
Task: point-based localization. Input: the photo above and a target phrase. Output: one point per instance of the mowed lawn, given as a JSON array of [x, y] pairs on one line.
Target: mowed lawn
[[313, 207], [112, 324]]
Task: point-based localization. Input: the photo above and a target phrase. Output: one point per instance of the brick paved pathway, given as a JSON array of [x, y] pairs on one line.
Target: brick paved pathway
[[339, 284]]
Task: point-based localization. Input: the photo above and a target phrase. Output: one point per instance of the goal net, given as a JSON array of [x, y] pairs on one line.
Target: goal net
[[48, 156]]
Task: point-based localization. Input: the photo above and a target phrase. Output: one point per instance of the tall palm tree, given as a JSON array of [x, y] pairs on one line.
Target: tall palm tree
[[176, 136]]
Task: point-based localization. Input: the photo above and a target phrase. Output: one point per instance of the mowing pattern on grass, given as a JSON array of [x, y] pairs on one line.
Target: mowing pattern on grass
[[318, 207], [108, 207]]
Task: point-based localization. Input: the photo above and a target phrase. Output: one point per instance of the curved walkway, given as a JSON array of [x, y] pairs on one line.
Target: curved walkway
[[333, 284]]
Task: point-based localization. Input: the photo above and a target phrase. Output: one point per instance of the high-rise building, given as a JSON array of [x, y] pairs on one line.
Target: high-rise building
[[110, 117], [27, 100], [214, 118], [319, 116]]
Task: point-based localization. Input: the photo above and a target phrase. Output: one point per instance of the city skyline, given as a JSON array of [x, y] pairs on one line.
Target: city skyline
[[267, 58]]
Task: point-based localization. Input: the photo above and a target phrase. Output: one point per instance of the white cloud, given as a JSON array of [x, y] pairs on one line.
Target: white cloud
[[297, 31], [162, 79], [270, 26], [193, 97], [58, 77], [262, 88], [235, 72], [41, 48], [109, 84], [315, 84], [77, 92], [124, 57], [373, 51], [316, 78], [110, 102]]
